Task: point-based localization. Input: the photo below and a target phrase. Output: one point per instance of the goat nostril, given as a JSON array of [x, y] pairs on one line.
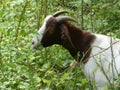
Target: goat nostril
[[33, 43]]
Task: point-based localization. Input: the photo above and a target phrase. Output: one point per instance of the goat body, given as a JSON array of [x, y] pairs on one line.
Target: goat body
[[104, 61], [100, 54]]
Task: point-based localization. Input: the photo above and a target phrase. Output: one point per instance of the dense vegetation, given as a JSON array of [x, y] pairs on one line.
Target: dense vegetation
[[22, 68]]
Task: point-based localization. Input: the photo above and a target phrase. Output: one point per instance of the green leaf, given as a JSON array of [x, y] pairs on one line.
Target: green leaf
[[87, 1]]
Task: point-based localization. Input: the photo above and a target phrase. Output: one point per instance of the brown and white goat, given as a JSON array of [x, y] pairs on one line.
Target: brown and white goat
[[100, 54]]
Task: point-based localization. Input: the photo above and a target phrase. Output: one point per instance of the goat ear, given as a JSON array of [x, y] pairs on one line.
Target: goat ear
[[66, 36]]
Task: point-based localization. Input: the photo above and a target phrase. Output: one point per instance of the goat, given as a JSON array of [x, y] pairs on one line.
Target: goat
[[99, 54]]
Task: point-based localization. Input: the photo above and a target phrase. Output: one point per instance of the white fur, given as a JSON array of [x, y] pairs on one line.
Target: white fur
[[43, 27], [37, 40], [105, 50]]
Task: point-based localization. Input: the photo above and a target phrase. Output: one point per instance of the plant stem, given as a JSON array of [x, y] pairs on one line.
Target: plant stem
[[82, 10], [20, 20]]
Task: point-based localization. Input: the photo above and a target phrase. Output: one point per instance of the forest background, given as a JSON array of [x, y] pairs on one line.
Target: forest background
[[22, 68]]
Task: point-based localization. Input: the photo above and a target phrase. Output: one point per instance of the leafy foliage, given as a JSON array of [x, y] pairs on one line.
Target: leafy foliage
[[24, 69]]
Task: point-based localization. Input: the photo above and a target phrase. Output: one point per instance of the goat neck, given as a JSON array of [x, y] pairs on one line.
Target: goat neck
[[76, 40]]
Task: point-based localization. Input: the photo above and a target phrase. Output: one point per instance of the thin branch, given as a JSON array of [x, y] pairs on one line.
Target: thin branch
[[20, 20], [103, 50], [82, 14], [102, 69]]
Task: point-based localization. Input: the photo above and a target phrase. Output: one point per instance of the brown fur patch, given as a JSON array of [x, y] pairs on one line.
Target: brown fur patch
[[80, 41], [70, 37]]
